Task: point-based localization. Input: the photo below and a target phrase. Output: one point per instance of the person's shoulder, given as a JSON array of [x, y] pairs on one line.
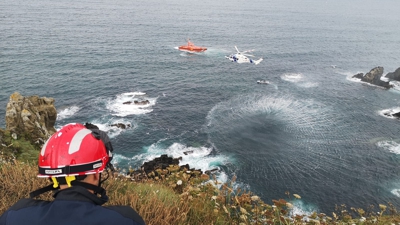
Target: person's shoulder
[[127, 212], [27, 202]]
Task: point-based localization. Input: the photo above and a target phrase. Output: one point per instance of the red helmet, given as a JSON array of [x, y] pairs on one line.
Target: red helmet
[[73, 150]]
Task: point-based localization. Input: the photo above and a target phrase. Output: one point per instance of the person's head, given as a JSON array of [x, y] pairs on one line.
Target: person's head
[[75, 156]]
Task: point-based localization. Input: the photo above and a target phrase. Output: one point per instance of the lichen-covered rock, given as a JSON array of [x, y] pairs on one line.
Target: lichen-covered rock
[[31, 115]]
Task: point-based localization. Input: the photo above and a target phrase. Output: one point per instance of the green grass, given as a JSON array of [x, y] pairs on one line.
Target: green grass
[[174, 197]]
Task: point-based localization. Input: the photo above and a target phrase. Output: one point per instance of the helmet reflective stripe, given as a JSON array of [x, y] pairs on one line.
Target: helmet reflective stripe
[[77, 140], [44, 147]]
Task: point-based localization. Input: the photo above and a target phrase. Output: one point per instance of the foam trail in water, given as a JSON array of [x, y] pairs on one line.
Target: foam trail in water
[[67, 112], [292, 77], [298, 78]]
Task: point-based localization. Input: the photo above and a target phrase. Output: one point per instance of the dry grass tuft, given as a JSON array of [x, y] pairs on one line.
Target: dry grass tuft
[[181, 200]]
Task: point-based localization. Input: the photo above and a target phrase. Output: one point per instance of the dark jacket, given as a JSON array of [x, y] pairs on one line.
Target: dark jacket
[[75, 205]]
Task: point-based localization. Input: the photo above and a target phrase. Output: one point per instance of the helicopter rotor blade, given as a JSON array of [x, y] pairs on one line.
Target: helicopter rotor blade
[[252, 50], [248, 55], [237, 49]]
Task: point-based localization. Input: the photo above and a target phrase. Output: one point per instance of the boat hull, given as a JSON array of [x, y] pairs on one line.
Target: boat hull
[[192, 48]]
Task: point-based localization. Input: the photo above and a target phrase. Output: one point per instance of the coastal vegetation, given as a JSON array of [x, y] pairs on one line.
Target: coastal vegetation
[[170, 195], [178, 198]]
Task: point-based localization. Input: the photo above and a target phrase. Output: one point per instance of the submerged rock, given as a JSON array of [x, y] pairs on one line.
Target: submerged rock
[[121, 125]]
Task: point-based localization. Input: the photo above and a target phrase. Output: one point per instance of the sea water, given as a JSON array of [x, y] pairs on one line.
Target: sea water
[[314, 130]]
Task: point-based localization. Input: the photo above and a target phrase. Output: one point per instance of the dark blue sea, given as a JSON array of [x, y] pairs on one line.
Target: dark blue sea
[[314, 130]]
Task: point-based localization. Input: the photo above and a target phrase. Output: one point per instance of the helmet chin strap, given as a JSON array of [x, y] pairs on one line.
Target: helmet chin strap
[[71, 181]]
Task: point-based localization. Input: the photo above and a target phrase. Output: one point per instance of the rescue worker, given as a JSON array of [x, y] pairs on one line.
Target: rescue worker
[[74, 159]]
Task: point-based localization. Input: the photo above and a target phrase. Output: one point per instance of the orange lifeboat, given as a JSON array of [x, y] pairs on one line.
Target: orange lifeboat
[[190, 47]]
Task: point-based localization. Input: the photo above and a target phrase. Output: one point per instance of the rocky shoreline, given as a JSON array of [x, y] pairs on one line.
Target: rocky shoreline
[[31, 120]]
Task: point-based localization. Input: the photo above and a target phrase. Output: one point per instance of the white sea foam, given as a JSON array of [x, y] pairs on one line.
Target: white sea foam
[[196, 157], [396, 192], [118, 108], [349, 76], [117, 159], [388, 112], [389, 145], [132, 94], [292, 77], [396, 85], [300, 208], [67, 112], [112, 131]]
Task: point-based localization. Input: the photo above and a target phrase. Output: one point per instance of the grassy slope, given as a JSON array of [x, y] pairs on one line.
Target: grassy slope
[[193, 202]]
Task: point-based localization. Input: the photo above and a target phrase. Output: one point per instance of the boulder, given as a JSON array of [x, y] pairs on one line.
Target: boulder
[[121, 125], [31, 115], [397, 115], [359, 76], [374, 77], [163, 166], [394, 75]]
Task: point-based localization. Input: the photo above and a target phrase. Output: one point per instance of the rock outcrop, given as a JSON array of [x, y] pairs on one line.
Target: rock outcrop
[[31, 115], [121, 125], [394, 75], [374, 77], [144, 102], [163, 166]]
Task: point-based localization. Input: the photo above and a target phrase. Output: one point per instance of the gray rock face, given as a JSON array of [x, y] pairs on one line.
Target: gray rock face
[[394, 75], [34, 115], [374, 77]]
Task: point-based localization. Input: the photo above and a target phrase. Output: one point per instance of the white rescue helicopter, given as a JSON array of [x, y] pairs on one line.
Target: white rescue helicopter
[[242, 57]]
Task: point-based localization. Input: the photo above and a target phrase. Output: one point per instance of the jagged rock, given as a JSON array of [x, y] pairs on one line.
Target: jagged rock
[[208, 172], [374, 77], [397, 115], [163, 166], [188, 152], [161, 162], [394, 75], [121, 125], [33, 115], [359, 75], [145, 102]]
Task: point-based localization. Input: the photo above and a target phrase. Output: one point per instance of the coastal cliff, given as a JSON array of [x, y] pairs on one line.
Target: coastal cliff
[[29, 122], [33, 114]]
